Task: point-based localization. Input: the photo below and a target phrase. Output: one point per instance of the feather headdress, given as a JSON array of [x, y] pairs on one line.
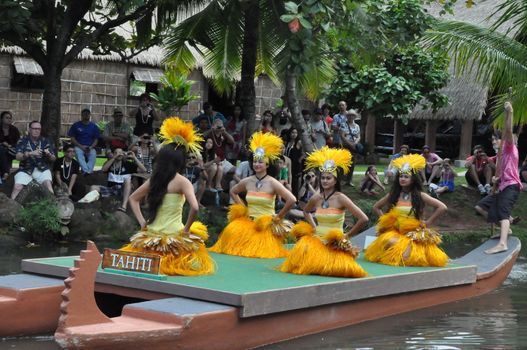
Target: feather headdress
[[266, 146], [410, 163], [182, 133], [328, 160]]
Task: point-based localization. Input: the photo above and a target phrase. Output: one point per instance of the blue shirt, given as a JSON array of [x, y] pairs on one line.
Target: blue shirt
[[338, 121], [85, 134], [29, 164]]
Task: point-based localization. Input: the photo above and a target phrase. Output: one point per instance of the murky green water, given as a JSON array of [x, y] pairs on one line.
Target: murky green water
[[497, 320]]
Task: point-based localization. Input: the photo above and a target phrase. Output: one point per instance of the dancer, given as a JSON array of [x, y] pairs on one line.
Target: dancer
[[255, 230], [497, 207], [404, 238], [324, 249], [181, 246]]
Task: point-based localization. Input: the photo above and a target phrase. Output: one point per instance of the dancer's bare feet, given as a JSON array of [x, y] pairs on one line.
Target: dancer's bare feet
[[500, 247]]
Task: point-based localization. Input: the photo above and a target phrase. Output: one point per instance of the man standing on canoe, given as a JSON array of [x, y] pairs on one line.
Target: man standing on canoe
[[497, 207]]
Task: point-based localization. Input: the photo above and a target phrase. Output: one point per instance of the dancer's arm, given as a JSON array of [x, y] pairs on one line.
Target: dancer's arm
[[238, 188], [309, 207], [439, 206], [283, 192], [381, 203], [188, 191], [357, 213], [135, 202]]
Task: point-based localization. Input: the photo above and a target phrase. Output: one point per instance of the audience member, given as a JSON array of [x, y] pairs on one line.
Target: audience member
[[84, 136], [220, 138], [446, 184], [310, 187], [8, 140], [370, 180], [319, 129], [431, 171], [206, 119], [390, 172], [117, 134], [120, 169], [282, 123], [212, 163], [266, 124], [294, 151], [283, 173], [237, 128], [35, 154], [350, 139], [195, 173], [66, 169], [480, 170], [144, 115], [338, 120], [145, 151]]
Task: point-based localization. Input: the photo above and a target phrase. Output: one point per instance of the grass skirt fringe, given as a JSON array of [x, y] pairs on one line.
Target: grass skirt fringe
[[249, 238], [312, 256], [402, 241], [176, 259]]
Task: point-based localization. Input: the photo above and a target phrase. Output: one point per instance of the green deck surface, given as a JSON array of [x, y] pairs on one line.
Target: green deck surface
[[239, 275]]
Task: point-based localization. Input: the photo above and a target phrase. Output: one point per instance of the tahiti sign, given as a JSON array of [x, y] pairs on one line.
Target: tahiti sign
[[130, 261]]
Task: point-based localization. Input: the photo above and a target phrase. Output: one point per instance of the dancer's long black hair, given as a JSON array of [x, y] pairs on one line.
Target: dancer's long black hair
[[170, 161], [416, 187]]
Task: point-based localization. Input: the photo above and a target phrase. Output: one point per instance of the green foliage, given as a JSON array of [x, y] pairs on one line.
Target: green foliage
[[175, 92], [40, 219], [101, 124]]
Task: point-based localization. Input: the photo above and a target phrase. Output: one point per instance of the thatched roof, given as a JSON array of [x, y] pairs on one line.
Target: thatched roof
[[467, 97]]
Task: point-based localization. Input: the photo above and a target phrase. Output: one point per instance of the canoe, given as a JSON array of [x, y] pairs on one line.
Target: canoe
[[246, 304]]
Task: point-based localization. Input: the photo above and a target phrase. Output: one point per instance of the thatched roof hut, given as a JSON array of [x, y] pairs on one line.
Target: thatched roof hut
[[467, 97]]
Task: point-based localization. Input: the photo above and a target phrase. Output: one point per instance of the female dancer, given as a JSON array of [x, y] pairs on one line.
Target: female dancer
[[181, 246], [403, 237], [324, 249], [255, 230]]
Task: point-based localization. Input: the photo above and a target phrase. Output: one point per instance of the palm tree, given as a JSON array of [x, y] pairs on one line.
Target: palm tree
[[498, 59]]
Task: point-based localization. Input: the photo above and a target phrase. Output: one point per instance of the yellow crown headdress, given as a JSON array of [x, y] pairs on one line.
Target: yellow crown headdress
[[410, 163], [182, 133], [328, 160], [265, 146]]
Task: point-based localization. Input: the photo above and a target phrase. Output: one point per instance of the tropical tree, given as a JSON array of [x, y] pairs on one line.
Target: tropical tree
[[54, 33], [498, 59]]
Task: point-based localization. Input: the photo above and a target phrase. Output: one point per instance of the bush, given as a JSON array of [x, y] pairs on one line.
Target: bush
[[40, 219]]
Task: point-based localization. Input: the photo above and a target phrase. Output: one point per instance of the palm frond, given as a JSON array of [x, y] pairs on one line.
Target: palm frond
[[317, 77], [519, 102], [511, 16]]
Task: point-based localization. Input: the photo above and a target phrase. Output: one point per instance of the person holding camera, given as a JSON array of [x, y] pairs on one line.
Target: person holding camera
[[323, 248], [195, 173], [206, 120], [144, 115], [446, 183], [309, 188], [120, 169], [117, 133], [145, 151]]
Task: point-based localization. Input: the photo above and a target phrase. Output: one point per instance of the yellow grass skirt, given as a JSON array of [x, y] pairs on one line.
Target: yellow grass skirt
[[244, 236], [330, 255], [404, 241], [180, 255]]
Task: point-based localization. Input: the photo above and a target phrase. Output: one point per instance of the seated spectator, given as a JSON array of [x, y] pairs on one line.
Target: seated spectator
[[120, 169], [66, 170], [523, 174], [370, 180], [144, 115], [390, 172], [283, 173], [195, 173], [206, 119], [117, 134], [85, 135], [431, 170], [480, 170], [319, 129], [8, 140], [446, 184], [213, 166], [35, 154]]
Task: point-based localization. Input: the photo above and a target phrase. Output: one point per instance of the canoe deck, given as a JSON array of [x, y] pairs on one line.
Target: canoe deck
[[257, 288]]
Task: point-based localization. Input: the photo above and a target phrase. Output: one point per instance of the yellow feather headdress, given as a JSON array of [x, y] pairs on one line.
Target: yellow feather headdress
[[410, 163], [266, 146], [182, 133], [328, 160]]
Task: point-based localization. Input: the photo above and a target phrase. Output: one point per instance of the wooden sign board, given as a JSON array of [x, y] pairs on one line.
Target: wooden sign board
[[130, 261]]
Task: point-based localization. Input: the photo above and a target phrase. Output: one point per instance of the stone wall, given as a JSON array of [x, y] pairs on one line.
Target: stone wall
[[104, 85]]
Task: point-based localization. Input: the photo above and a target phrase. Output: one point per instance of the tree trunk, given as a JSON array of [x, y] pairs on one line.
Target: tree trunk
[[51, 117], [369, 135], [247, 97], [294, 108], [430, 134], [398, 135]]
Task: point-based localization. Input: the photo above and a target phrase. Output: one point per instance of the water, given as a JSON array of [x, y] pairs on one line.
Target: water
[[496, 320]]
